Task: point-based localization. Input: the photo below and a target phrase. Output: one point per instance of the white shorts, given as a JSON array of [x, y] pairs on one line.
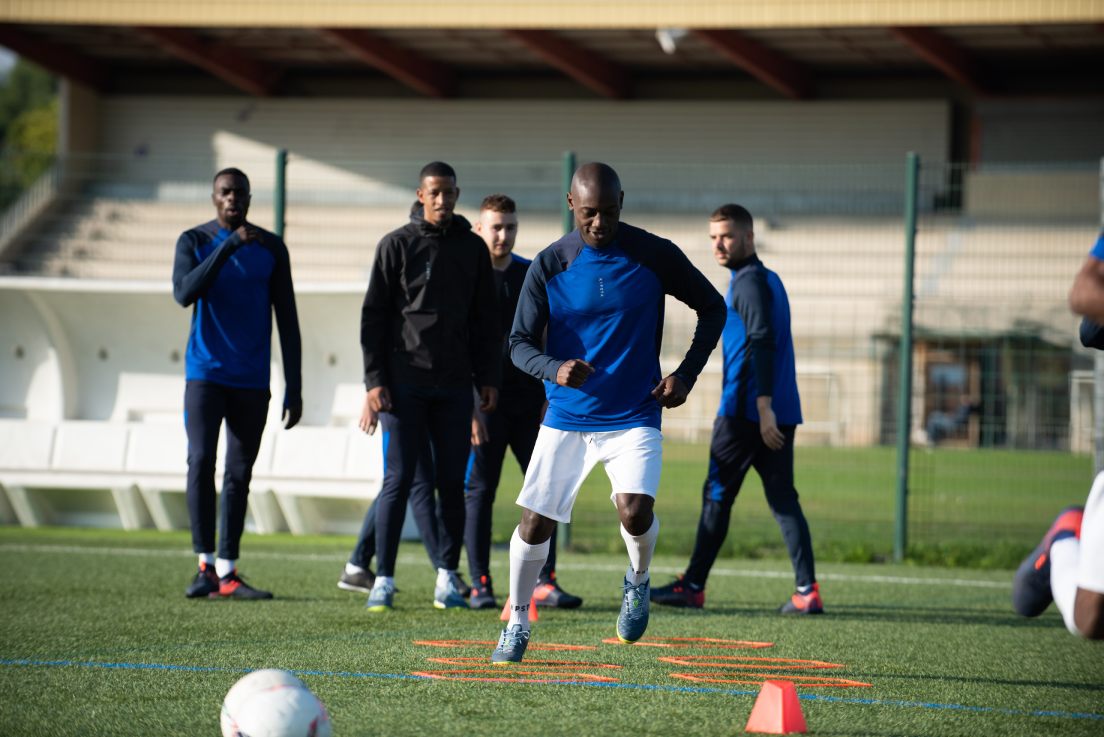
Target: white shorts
[[562, 460], [1090, 569]]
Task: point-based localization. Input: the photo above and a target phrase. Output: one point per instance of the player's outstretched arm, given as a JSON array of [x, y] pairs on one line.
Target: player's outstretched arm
[[291, 344]]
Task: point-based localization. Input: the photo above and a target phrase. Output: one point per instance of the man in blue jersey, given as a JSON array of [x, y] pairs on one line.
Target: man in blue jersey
[[513, 424], [429, 334], [234, 275], [599, 294], [755, 426]]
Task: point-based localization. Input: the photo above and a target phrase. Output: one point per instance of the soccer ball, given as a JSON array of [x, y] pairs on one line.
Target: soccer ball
[[273, 703]]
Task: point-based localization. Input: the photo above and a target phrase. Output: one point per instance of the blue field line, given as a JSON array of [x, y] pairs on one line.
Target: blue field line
[[590, 684]]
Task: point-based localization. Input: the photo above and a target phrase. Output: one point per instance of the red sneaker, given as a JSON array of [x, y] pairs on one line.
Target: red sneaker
[[679, 593], [809, 603]]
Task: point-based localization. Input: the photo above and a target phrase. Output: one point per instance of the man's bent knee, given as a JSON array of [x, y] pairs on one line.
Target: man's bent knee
[[534, 528], [636, 512], [1088, 614]]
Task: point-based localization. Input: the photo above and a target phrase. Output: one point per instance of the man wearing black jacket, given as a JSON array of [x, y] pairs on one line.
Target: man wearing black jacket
[[234, 276], [429, 333]]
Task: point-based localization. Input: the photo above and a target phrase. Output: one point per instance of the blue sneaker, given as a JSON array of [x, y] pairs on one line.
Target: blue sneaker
[[381, 597], [1031, 593], [511, 645], [449, 596], [633, 620]]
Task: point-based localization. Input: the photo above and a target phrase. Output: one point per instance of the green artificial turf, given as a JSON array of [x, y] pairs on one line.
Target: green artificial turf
[[97, 639], [976, 508]]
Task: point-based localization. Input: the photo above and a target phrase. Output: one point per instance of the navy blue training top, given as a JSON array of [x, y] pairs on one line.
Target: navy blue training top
[[758, 346], [234, 288], [605, 306]]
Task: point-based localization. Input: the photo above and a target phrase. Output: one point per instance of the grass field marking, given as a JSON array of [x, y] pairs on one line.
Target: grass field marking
[[798, 679], [696, 642], [492, 643], [468, 659], [23, 662], [492, 674], [746, 662], [610, 568]]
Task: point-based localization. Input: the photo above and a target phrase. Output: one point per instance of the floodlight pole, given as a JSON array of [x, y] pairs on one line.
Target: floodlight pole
[[279, 195], [904, 396]]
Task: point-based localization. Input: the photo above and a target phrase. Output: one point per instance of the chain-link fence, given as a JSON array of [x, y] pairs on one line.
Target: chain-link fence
[[1001, 407]]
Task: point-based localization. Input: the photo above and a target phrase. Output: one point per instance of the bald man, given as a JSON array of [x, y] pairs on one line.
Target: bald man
[[599, 293]]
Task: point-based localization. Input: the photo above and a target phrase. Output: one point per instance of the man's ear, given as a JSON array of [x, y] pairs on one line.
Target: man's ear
[[570, 203]]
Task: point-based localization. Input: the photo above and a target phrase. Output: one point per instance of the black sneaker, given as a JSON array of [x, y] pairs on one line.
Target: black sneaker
[[205, 583], [360, 581], [549, 594], [679, 593], [460, 585], [232, 586], [482, 594]]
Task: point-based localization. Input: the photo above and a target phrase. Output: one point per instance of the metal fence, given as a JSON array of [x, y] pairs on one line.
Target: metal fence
[[1001, 398]]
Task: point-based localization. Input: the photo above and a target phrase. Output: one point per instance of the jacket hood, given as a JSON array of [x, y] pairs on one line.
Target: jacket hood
[[417, 217]]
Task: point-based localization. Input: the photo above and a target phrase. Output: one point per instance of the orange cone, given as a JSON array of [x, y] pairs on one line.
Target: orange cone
[[777, 710], [533, 616]]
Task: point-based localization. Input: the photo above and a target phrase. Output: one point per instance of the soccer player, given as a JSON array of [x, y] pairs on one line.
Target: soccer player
[[1068, 565], [755, 425], [429, 333], [514, 423], [599, 294], [233, 275]]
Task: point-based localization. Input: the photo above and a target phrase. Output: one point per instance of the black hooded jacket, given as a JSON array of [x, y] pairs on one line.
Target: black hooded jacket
[[430, 316]]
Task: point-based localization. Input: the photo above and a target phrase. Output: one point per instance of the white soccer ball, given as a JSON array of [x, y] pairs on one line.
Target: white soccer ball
[[273, 703]]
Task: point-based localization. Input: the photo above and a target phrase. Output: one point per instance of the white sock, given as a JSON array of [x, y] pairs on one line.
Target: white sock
[[526, 562], [1065, 556], [384, 581], [443, 577], [207, 559], [641, 548], [224, 566], [353, 569]]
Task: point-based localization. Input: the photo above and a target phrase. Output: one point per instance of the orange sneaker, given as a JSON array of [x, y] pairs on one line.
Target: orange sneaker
[[549, 594], [1031, 593], [799, 603]]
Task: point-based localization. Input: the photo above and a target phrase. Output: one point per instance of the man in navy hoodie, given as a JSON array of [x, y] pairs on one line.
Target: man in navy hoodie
[[429, 334], [234, 275]]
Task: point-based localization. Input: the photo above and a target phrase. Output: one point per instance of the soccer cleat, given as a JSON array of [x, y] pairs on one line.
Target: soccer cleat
[[680, 593], [462, 588], [799, 603], [449, 596], [1031, 593], [360, 581], [549, 594], [633, 620], [205, 583], [231, 586], [382, 597], [482, 594], [511, 645]]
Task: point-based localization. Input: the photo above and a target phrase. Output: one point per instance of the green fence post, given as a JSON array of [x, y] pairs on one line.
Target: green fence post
[[568, 172], [279, 195], [904, 397]]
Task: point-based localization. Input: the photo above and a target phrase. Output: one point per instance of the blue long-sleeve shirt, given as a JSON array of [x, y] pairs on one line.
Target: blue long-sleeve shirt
[[758, 346], [605, 306], [233, 288]]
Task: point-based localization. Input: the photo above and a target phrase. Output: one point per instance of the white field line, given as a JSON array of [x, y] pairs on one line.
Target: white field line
[[612, 568]]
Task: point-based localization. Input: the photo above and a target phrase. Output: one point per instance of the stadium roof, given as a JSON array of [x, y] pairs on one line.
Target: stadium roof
[[615, 49]]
